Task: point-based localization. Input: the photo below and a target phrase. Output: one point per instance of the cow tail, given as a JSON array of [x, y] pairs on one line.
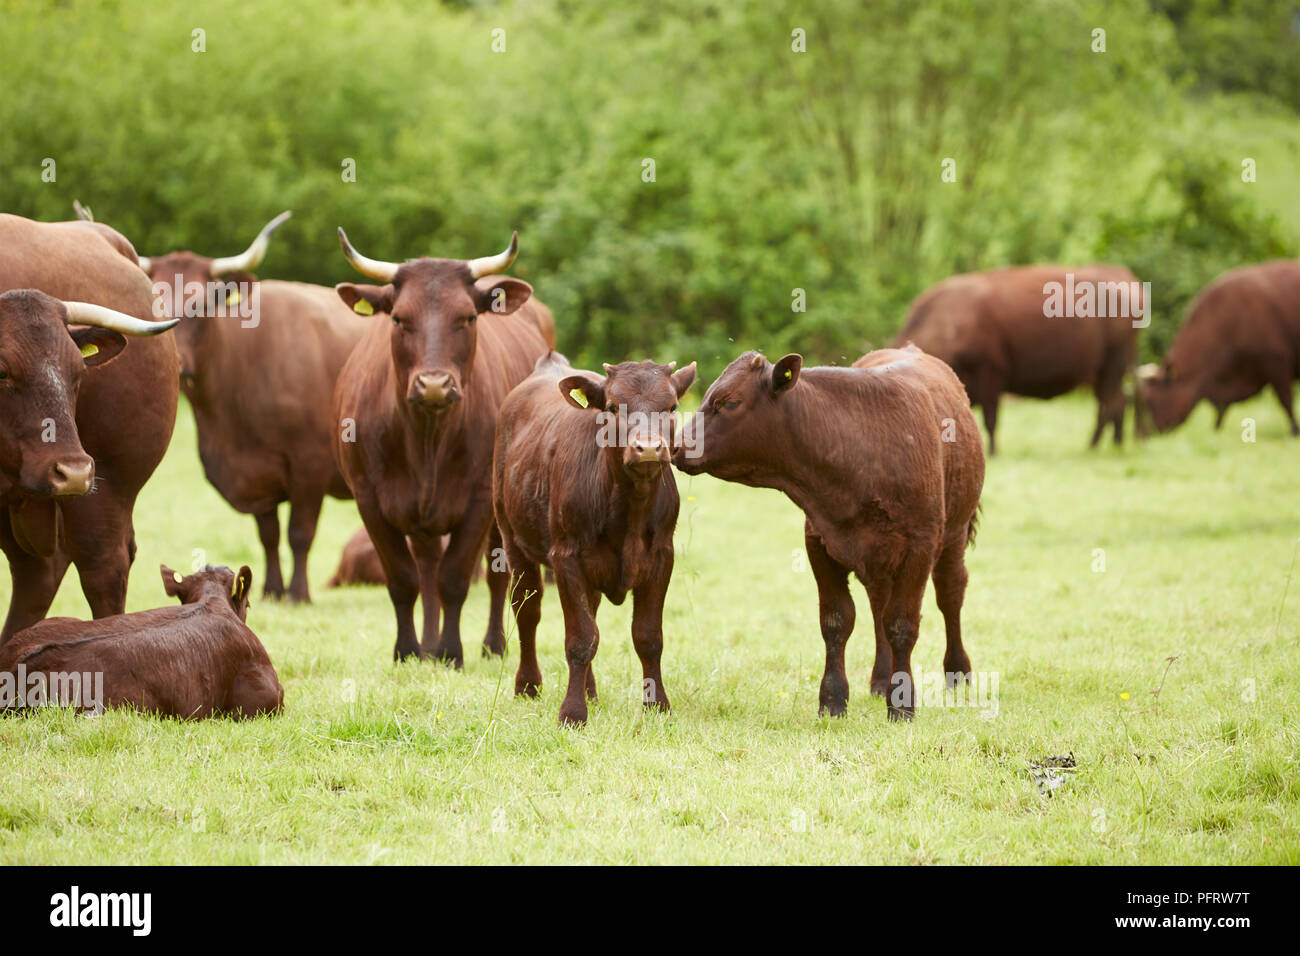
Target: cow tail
[[973, 526]]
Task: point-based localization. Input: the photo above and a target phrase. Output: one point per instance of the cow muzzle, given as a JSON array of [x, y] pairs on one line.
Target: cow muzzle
[[73, 475], [433, 390], [646, 451]]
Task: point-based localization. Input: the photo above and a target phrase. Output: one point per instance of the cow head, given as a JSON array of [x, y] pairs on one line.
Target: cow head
[[433, 306], [636, 404], [732, 434], [211, 582], [178, 276], [1168, 398], [45, 347]]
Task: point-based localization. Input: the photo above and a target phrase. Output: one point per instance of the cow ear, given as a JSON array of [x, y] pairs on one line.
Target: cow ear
[[786, 372], [366, 299], [98, 346], [243, 584], [591, 390], [501, 297], [683, 379], [171, 581]]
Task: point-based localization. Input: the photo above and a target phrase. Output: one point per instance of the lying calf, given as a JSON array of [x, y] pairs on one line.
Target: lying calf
[[886, 462], [196, 660], [586, 488]]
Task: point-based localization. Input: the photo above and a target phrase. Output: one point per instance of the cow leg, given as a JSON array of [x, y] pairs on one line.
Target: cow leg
[[35, 582], [304, 513], [526, 602], [950, 591], [648, 634], [268, 531], [1284, 391], [429, 559], [400, 576], [100, 542], [1109, 391], [454, 575], [837, 614], [581, 636], [498, 582], [879, 590], [988, 391], [1219, 412], [902, 620]]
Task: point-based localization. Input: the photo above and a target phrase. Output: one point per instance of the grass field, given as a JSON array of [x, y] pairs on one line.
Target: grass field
[[378, 763]]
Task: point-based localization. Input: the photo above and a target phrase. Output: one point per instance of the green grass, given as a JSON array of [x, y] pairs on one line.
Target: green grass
[[1199, 530]]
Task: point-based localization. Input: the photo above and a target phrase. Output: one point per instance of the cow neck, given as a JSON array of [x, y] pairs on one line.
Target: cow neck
[[211, 367], [637, 496]]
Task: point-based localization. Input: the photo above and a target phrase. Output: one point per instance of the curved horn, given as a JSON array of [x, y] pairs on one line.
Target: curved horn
[[251, 257], [491, 265], [374, 268], [84, 313], [83, 212]]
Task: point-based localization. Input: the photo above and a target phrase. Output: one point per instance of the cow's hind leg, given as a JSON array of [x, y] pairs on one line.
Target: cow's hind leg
[[304, 513], [1280, 379], [581, 636], [456, 571], [950, 591], [427, 549], [837, 615], [498, 582], [902, 620], [268, 532], [526, 601]]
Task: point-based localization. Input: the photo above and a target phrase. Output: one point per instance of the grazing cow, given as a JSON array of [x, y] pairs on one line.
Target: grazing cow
[[256, 360], [416, 406], [586, 488], [884, 458], [1242, 333], [1037, 331], [124, 414], [193, 661]]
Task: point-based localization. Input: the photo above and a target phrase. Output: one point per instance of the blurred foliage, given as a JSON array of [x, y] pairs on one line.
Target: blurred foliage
[[775, 170]]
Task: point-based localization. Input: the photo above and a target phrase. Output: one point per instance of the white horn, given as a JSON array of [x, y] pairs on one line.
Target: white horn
[[146, 264], [374, 268], [251, 257], [491, 265], [83, 212], [83, 313]]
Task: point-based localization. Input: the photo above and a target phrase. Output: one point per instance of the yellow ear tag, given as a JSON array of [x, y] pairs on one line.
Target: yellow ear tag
[[362, 307], [579, 396], [89, 349], [233, 298], [787, 374]]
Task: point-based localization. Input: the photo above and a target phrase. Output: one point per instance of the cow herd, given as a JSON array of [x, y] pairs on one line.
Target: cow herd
[[434, 396]]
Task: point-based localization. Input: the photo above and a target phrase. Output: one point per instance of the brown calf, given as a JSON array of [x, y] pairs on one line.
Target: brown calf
[[193, 661], [586, 489], [885, 460]]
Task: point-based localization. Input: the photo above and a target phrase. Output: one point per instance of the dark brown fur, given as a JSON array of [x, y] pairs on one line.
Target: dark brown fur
[[601, 517], [193, 661], [1242, 334], [359, 563], [885, 461], [420, 395], [125, 411], [991, 328]]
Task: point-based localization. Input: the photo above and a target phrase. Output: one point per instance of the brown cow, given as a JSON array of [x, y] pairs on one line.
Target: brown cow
[[1242, 333], [1037, 331], [257, 357], [125, 411], [885, 461], [359, 563], [193, 661], [416, 406], [586, 489]]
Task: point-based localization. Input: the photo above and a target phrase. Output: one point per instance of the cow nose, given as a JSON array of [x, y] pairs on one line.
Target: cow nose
[[434, 388], [72, 476], [647, 451]]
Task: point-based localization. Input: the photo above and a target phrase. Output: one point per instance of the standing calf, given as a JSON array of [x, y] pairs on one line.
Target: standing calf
[[193, 661], [586, 488], [884, 458]]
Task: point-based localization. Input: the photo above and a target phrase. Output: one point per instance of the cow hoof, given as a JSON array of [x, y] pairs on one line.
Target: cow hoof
[[880, 687], [834, 708], [573, 716], [454, 661], [954, 675], [491, 651], [527, 688], [406, 653], [900, 713]]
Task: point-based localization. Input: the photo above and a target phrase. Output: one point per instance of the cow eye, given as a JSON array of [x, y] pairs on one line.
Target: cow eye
[[472, 319], [4, 374], [396, 321], [611, 408], [674, 408]]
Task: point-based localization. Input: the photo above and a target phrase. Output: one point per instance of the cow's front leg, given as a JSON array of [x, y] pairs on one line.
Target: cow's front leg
[[581, 636], [427, 549], [648, 633], [837, 615]]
